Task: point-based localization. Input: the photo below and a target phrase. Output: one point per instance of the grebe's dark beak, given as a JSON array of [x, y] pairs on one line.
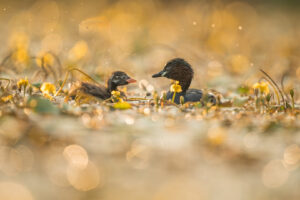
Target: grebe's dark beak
[[159, 74], [131, 80]]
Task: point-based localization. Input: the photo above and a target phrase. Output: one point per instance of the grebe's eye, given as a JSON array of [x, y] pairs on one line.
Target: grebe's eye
[[168, 68]]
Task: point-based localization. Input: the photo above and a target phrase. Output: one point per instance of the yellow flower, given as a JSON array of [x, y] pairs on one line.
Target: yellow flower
[[116, 94], [263, 87], [47, 58], [22, 83], [7, 98], [48, 88], [176, 87]]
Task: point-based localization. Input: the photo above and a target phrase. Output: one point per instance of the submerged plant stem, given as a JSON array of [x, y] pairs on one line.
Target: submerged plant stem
[[6, 79], [67, 75], [275, 87], [173, 98]]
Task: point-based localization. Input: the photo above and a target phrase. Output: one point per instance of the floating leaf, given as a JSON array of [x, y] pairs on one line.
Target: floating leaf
[[37, 85], [122, 105], [240, 101], [42, 106], [243, 90]]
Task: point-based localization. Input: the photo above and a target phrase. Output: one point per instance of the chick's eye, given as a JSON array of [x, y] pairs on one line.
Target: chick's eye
[[212, 99]]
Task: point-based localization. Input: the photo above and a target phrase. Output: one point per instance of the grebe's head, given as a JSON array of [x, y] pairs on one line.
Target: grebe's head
[[177, 69], [119, 78]]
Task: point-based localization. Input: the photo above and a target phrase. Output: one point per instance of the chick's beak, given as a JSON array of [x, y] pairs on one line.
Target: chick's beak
[[159, 74], [131, 80]]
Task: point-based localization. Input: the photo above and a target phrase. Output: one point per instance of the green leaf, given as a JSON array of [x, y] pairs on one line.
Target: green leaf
[[122, 105], [240, 101], [37, 85], [42, 105], [243, 90]]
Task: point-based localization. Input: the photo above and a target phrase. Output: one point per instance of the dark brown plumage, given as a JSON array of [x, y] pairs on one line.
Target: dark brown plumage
[[118, 78], [180, 70]]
